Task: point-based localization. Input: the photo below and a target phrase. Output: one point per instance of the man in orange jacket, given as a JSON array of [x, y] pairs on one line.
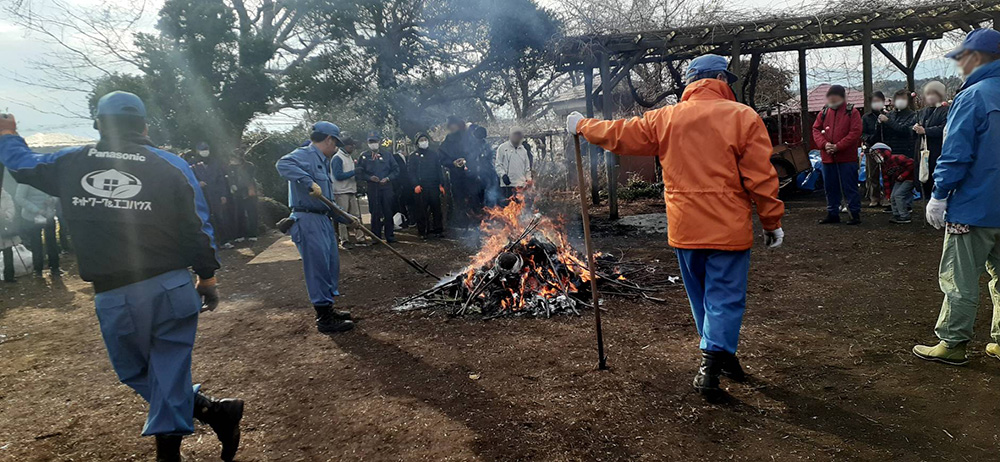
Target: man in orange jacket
[[715, 155]]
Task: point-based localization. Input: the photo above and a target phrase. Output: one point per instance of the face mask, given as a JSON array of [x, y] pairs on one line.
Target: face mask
[[902, 104], [424, 144], [373, 146], [203, 153], [834, 106], [932, 100], [877, 106]]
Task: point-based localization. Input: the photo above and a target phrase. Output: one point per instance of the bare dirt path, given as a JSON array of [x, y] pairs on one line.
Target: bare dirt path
[[830, 322]]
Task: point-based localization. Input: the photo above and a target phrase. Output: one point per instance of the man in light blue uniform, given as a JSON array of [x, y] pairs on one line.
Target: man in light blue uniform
[[964, 201], [307, 170], [139, 221]]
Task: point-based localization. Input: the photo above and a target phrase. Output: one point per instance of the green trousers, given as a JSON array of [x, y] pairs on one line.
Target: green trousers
[[963, 260]]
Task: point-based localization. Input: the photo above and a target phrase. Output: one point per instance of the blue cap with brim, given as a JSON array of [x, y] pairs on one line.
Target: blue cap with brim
[[374, 136], [709, 64], [120, 103], [985, 40], [327, 128]]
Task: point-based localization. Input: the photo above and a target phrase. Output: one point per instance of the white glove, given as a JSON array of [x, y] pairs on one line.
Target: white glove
[[773, 239], [935, 212], [572, 120]]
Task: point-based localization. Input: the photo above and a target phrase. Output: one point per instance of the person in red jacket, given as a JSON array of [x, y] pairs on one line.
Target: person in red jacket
[[837, 132], [897, 175]]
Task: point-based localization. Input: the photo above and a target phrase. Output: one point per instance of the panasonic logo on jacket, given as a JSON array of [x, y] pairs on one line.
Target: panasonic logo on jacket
[[116, 155]]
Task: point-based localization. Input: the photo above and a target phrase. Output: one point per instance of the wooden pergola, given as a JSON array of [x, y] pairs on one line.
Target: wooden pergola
[[616, 54]]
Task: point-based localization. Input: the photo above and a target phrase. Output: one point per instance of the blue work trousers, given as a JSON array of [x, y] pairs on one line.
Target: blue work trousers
[[716, 285], [313, 235], [149, 329], [840, 182]]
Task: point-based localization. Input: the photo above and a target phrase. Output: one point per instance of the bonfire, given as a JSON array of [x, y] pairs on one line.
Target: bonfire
[[526, 266]]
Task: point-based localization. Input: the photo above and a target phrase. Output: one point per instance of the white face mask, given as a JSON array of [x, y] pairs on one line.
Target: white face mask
[[932, 100], [877, 106], [373, 146], [834, 106], [424, 144], [902, 104], [203, 153]]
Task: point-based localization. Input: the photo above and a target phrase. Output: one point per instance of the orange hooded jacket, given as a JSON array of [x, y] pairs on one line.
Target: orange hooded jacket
[[716, 158]]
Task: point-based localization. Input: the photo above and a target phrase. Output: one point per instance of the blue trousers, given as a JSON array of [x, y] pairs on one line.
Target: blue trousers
[[716, 285], [382, 208], [313, 235], [841, 182], [149, 328]]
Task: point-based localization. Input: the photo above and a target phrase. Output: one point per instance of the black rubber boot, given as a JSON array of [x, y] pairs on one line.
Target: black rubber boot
[[224, 416], [334, 314], [731, 368], [855, 219], [706, 381], [328, 321], [830, 219], [168, 448]]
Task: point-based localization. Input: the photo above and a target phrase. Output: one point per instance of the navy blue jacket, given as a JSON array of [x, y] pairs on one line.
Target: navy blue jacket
[[967, 171], [133, 211], [378, 164]]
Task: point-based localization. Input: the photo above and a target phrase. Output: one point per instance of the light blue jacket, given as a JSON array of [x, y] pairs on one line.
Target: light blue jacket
[[303, 167], [968, 171]]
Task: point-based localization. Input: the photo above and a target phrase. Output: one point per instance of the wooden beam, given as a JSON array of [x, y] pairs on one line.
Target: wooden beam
[[895, 61], [588, 91], [804, 104], [610, 159], [866, 58], [736, 67], [916, 57]]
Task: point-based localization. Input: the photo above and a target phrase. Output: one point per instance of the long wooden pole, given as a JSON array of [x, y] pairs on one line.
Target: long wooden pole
[[602, 361]]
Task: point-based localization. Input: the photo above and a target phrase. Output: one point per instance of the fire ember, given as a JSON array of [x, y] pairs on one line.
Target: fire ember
[[527, 267]]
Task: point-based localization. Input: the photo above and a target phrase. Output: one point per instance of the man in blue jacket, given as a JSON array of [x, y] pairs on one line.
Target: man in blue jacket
[[307, 170], [139, 221], [964, 201]]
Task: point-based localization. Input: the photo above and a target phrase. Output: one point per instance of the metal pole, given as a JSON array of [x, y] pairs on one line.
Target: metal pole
[[602, 361], [610, 158]]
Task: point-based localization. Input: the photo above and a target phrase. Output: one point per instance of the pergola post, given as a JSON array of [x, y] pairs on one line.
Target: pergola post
[[588, 88], [866, 57], [736, 67], [911, 65], [804, 97], [996, 21], [610, 159]]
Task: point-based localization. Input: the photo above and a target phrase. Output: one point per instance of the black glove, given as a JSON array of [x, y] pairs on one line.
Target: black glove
[[506, 180], [209, 294]]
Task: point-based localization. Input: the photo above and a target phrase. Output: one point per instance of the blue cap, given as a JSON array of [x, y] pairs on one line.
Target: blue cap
[[327, 128], [120, 103], [985, 40], [203, 146], [881, 147], [707, 64], [373, 135]]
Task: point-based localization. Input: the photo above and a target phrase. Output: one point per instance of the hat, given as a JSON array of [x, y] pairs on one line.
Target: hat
[[202, 146], [838, 90], [985, 40], [882, 147], [707, 64], [327, 128], [936, 87], [374, 136], [120, 103]]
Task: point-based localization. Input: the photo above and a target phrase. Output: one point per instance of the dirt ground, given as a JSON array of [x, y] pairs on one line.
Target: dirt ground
[[830, 323]]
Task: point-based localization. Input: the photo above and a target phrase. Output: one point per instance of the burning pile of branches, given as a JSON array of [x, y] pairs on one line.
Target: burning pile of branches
[[526, 267]]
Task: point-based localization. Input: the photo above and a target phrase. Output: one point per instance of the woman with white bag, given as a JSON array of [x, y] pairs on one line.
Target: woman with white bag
[[930, 134]]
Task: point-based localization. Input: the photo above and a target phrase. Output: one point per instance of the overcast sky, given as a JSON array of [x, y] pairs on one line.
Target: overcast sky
[[41, 110]]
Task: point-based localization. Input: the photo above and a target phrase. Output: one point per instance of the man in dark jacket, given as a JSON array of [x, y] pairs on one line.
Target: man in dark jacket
[[837, 132], [381, 170], [427, 177], [457, 150], [930, 131], [871, 134], [210, 171], [898, 125], [243, 190], [140, 221]]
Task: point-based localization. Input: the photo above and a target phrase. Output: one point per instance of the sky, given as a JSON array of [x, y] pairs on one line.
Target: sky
[[43, 110]]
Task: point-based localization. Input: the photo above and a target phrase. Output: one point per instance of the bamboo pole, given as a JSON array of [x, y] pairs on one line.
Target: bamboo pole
[[602, 360]]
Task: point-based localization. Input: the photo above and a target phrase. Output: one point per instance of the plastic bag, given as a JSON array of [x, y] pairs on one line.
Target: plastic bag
[[22, 261]]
